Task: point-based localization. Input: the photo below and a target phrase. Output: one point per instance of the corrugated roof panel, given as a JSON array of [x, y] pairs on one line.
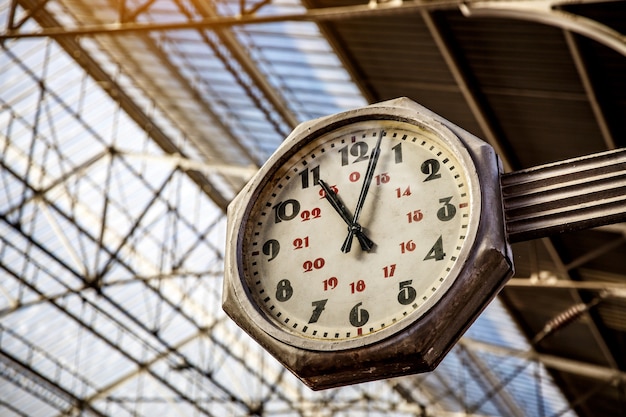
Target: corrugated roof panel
[[515, 54]]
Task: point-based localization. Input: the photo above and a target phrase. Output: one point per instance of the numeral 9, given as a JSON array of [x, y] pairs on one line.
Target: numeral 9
[[271, 248]]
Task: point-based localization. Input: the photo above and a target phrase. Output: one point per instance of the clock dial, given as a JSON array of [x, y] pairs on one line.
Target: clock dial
[[356, 233]]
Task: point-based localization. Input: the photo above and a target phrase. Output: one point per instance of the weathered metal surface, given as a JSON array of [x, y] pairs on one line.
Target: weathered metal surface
[[570, 195]]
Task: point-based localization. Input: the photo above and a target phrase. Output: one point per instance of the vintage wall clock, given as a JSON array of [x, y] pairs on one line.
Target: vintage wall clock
[[367, 244]]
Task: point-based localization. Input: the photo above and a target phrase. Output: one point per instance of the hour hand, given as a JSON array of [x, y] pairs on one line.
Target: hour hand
[[365, 242]]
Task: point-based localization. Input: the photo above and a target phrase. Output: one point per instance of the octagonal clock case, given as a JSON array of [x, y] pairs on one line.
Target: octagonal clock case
[[367, 244]]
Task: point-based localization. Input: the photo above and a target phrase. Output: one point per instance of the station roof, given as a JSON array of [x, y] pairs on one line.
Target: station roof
[[127, 127]]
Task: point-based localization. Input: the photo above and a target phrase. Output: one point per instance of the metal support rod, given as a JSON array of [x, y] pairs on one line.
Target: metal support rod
[[613, 288], [541, 11], [547, 12], [566, 196], [51, 392], [27, 15], [468, 89], [585, 79], [313, 15], [572, 366]]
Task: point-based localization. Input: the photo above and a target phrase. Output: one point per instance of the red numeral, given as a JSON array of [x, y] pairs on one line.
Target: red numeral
[[301, 243], [415, 216], [307, 215], [330, 283], [403, 193], [316, 264], [322, 193], [389, 271], [358, 286], [383, 178], [407, 246], [354, 176]]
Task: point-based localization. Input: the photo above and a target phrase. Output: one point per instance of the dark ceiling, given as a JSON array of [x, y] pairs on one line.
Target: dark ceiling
[[539, 94]]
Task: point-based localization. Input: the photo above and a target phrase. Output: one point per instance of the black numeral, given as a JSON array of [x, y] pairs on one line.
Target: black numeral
[[357, 149], [359, 316], [436, 252], [286, 210], [315, 174], [317, 311], [448, 210], [397, 151], [407, 293], [271, 248], [284, 290], [431, 167]]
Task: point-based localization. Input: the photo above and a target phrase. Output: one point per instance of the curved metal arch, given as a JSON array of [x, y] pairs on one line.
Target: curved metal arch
[[545, 12], [540, 11]]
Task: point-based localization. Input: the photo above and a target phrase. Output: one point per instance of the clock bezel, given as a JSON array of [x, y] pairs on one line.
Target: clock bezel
[[241, 208]]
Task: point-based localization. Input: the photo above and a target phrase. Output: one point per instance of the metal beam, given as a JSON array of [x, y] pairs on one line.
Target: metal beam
[[579, 62], [540, 11], [494, 387], [271, 94], [212, 23], [49, 385], [589, 370], [614, 289], [593, 326], [468, 90], [72, 46], [547, 12]]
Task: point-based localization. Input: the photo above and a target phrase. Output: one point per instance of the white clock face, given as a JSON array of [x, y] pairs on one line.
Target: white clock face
[[297, 262]]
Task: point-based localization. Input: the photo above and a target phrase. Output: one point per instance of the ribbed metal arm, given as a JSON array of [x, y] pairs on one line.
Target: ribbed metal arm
[[570, 195]]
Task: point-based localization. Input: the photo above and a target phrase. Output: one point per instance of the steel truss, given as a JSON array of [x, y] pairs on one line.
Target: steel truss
[[121, 246]]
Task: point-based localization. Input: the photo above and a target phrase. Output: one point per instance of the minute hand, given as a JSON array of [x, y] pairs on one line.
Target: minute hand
[[369, 174], [335, 202]]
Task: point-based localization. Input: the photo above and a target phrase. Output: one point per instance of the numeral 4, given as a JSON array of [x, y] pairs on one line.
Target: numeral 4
[[436, 252]]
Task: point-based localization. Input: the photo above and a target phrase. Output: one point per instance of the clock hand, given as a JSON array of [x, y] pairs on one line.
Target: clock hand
[[369, 174], [335, 202]]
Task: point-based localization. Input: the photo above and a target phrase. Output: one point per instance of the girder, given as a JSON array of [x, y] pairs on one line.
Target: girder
[[138, 277]]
